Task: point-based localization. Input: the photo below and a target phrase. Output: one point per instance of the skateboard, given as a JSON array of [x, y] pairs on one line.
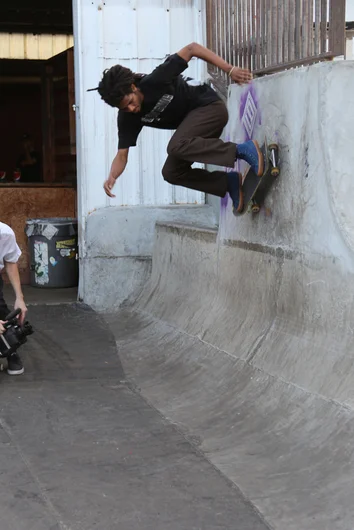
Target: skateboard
[[255, 188]]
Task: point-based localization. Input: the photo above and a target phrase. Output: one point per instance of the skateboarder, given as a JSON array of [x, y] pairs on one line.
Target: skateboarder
[[166, 100]]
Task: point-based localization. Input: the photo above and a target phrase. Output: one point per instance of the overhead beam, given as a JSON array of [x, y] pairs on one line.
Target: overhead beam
[[35, 17]]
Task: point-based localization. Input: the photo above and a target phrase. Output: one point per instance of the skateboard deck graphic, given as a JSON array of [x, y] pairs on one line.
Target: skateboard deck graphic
[[255, 189]]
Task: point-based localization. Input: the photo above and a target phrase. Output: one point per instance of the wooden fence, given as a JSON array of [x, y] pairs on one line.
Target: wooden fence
[[271, 35]]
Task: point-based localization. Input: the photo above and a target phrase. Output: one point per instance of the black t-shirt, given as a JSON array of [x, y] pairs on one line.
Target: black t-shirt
[[168, 98]]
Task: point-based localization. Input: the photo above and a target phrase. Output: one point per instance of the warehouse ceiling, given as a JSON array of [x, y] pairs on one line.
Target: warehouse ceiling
[[36, 16]]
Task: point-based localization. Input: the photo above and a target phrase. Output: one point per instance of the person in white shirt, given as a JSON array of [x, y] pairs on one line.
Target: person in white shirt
[[9, 255]]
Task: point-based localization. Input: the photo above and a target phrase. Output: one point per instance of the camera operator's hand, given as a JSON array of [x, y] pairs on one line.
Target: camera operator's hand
[[20, 304], [2, 329]]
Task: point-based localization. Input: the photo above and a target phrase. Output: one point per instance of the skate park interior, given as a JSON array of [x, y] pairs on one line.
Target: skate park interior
[[221, 350]]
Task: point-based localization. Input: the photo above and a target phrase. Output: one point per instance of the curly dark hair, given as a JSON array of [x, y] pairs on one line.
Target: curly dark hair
[[116, 83]]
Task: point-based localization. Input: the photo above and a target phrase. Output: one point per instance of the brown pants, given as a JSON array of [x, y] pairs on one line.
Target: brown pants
[[197, 140]]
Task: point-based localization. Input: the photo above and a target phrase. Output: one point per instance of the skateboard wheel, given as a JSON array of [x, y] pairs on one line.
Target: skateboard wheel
[[255, 208], [275, 172], [273, 147]]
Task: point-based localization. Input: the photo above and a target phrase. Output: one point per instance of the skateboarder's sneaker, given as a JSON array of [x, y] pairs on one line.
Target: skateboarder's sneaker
[[14, 365], [251, 153], [234, 187]]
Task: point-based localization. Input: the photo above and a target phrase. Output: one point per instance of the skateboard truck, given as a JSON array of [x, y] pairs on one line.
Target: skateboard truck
[[273, 150]]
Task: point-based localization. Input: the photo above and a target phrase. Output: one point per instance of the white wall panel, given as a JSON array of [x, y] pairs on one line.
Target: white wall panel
[[153, 29], [138, 34]]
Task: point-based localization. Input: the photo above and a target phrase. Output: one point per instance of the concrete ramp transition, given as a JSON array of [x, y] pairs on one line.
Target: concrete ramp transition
[[244, 337]]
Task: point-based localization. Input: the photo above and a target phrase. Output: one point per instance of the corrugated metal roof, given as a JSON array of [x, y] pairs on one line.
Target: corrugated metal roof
[[28, 46]]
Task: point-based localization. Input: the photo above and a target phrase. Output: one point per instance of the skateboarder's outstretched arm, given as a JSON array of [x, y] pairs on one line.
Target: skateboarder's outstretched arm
[[238, 75], [118, 166]]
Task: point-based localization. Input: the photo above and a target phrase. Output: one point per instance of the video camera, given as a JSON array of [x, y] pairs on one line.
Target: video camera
[[14, 335]]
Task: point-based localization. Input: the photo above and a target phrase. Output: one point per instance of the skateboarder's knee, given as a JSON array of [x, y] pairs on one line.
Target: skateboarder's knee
[[172, 174], [176, 147], [168, 175]]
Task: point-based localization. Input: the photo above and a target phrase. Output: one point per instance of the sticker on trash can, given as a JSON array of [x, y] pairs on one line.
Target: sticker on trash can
[[68, 253], [50, 231], [41, 262], [37, 227], [53, 261], [29, 230], [68, 244]]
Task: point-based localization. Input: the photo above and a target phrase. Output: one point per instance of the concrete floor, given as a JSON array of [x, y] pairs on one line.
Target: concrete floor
[[82, 450], [34, 296]]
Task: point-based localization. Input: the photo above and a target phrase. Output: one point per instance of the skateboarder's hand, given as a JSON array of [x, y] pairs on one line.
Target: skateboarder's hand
[[108, 186], [241, 76], [2, 329]]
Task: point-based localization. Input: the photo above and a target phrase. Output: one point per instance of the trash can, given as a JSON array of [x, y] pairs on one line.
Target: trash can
[[53, 249]]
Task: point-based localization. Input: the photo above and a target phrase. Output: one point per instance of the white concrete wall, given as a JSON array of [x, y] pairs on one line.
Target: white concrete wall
[[349, 12], [310, 113], [349, 49]]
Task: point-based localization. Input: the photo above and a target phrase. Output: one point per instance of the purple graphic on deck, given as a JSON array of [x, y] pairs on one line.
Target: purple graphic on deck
[[249, 111], [225, 201], [250, 118]]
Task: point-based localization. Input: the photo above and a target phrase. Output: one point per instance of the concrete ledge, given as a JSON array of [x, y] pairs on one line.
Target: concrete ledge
[[110, 282], [119, 243], [197, 232], [129, 231]]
